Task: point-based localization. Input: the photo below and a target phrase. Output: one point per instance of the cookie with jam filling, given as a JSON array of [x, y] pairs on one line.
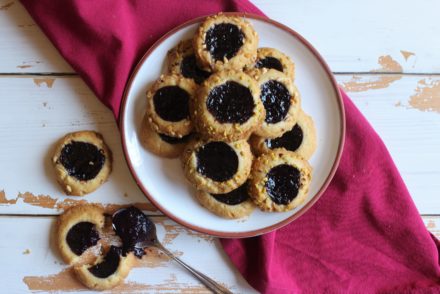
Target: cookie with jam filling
[[228, 106], [161, 144], [225, 42], [301, 139], [281, 102], [216, 166], [78, 229], [271, 58], [280, 180], [182, 61], [235, 204], [82, 162], [107, 272], [168, 101]]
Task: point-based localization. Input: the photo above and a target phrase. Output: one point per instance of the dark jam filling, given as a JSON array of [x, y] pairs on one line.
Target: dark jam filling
[[224, 40], [190, 70], [269, 62], [291, 140], [283, 183], [234, 197], [171, 103], [276, 100], [217, 161], [109, 265], [82, 161], [230, 103], [132, 226], [174, 140], [82, 236]]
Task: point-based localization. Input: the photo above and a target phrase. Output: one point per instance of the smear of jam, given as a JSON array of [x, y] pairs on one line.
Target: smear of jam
[[109, 265], [276, 100], [82, 236], [224, 40], [230, 103], [291, 140], [217, 161], [171, 103], [174, 140], [283, 183], [234, 197], [82, 160], [133, 226], [190, 70], [269, 62]]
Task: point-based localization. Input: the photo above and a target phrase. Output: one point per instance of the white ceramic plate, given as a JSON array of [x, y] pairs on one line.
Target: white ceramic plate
[[162, 180]]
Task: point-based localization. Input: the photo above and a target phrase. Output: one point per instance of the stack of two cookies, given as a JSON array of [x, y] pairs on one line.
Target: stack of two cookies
[[235, 96]]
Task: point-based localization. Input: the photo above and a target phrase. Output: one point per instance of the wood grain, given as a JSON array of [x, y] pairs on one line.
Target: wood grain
[[402, 109], [351, 36]]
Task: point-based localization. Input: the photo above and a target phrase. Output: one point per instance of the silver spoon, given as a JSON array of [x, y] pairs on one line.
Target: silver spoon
[[149, 239]]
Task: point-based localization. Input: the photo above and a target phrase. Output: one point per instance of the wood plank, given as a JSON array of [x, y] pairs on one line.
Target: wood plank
[[34, 114], [45, 108], [31, 261], [352, 36]]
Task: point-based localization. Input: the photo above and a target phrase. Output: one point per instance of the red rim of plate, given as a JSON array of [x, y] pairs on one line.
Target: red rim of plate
[[267, 229]]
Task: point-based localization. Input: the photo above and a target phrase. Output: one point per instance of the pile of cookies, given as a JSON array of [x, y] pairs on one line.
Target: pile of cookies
[[232, 113]]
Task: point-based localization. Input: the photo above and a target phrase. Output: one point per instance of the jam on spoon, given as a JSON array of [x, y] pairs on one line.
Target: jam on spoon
[[138, 232]]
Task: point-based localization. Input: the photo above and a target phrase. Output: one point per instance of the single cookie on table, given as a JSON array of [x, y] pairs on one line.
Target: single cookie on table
[[225, 42], [168, 102], [78, 229], [182, 60], [217, 167], [107, 272], [82, 162], [235, 204], [301, 139], [281, 102], [228, 106], [279, 180], [272, 58], [161, 144]]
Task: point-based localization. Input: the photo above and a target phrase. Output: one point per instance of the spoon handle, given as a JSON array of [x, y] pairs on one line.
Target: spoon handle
[[208, 282]]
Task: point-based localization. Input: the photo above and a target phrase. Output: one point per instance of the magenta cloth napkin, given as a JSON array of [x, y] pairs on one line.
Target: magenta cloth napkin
[[363, 235]]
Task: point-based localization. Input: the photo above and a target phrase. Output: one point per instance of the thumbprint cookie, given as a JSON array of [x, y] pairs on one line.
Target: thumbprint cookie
[[228, 106], [168, 102], [215, 166], [107, 272], [78, 229], [182, 60], [280, 180], [161, 144], [225, 42], [272, 58], [281, 101], [82, 162], [235, 204], [301, 139]]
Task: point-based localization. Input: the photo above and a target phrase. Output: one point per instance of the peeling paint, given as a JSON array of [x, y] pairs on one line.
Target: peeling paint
[[362, 84], [24, 66], [65, 281], [388, 64], [48, 81], [6, 6], [406, 54], [46, 201], [427, 96]]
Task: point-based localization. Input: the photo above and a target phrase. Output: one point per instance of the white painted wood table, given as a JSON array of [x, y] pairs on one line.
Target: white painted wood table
[[384, 53]]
